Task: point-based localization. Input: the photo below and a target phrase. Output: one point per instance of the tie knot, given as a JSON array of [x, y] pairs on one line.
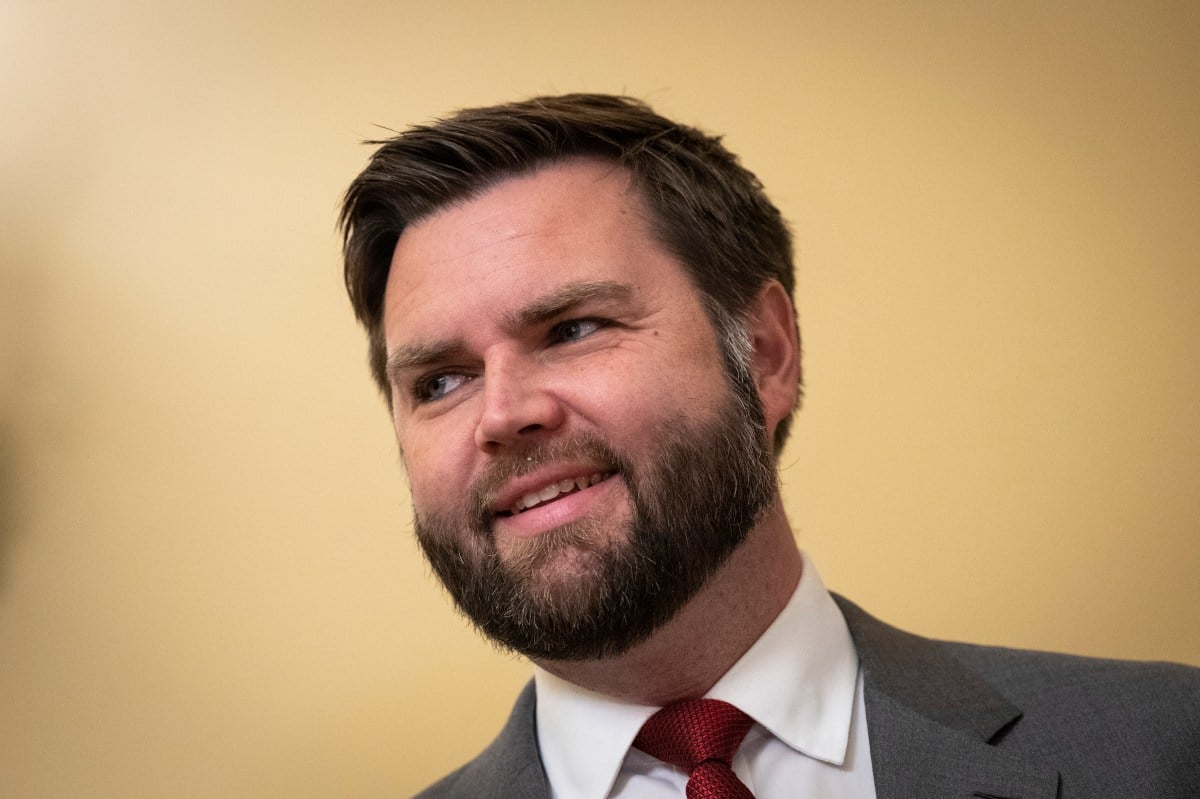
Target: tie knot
[[695, 731]]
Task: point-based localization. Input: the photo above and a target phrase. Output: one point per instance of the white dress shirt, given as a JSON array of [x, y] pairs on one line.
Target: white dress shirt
[[800, 682]]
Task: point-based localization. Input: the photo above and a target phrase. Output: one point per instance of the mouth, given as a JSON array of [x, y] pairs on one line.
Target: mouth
[[554, 491]]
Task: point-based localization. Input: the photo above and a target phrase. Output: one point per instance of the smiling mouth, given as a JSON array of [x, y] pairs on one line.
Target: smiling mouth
[[553, 491]]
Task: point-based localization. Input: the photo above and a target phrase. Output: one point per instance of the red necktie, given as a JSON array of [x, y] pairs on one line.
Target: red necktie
[[700, 737]]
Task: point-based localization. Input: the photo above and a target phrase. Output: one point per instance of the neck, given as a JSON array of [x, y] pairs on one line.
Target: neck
[[686, 657]]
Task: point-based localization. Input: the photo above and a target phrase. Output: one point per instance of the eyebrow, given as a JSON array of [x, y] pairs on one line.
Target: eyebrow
[[413, 356], [564, 298], [545, 308]]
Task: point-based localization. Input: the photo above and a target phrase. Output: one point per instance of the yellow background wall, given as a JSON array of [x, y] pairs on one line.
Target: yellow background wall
[[207, 583]]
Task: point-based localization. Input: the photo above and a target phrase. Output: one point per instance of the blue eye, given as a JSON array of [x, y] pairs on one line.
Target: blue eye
[[436, 386], [574, 329]]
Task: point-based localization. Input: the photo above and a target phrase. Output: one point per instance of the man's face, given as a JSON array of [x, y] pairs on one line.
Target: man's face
[[579, 460]]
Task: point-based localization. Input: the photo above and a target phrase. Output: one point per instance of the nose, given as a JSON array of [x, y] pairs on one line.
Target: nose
[[517, 405]]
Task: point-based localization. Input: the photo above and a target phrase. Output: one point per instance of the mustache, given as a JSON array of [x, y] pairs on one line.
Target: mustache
[[485, 491]]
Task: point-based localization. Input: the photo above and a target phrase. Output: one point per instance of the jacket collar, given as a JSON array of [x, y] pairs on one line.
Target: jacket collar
[[932, 725], [932, 722]]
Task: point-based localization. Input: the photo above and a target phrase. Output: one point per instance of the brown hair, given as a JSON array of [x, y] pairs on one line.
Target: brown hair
[[707, 209]]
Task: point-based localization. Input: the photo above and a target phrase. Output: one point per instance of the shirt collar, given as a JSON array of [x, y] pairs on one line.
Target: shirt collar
[[797, 681]]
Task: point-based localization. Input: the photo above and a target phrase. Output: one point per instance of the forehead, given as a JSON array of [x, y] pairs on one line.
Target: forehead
[[571, 221]]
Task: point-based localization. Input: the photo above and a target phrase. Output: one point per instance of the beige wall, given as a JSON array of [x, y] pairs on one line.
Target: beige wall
[[207, 585]]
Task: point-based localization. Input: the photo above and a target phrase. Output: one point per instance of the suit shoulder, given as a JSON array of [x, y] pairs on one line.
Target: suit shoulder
[[509, 766], [1109, 727], [1113, 708], [1020, 672], [481, 776]]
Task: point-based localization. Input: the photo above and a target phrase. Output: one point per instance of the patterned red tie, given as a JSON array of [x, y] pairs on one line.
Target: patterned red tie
[[700, 737]]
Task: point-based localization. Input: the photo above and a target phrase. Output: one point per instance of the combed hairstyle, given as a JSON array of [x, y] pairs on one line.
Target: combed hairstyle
[[706, 209]]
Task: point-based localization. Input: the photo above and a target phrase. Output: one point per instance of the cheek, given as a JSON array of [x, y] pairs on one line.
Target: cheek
[[628, 405], [438, 471]]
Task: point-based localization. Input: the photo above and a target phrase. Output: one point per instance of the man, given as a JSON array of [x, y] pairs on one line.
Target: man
[[580, 314]]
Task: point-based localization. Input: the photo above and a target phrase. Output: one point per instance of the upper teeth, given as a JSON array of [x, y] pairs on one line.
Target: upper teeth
[[554, 489]]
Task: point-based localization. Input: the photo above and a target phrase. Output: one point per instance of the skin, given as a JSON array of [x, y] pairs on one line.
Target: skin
[[542, 309]]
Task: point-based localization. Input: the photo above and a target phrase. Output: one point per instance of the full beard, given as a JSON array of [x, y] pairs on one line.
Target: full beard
[[584, 590]]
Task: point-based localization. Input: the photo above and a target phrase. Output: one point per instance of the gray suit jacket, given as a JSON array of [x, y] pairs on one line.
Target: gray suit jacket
[[957, 720]]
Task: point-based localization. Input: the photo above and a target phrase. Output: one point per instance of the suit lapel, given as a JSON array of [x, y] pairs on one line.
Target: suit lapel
[[932, 722]]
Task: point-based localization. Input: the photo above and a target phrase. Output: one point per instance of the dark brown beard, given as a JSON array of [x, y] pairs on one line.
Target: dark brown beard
[[579, 592]]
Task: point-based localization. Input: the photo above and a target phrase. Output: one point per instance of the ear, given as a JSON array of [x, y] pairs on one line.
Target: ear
[[776, 352]]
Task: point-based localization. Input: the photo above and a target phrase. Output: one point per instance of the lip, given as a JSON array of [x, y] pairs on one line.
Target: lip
[[595, 501], [542, 478], [556, 512]]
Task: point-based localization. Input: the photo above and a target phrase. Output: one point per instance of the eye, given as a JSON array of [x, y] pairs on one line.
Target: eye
[[574, 330], [433, 387]]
